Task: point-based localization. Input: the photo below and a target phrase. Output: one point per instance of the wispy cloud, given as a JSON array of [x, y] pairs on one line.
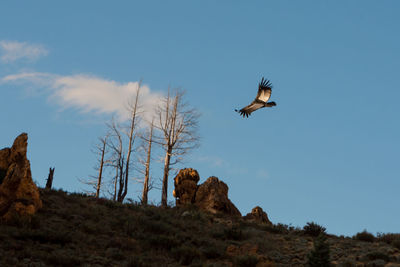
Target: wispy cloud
[[90, 94], [12, 51]]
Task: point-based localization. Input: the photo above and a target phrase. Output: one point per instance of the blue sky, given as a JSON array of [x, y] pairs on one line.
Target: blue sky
[[328, 152]]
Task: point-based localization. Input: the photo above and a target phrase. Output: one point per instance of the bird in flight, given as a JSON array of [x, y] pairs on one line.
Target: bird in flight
[[263, 95]]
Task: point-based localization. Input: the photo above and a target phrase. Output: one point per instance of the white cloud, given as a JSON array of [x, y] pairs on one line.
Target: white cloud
[[91, 94], [12, 51]]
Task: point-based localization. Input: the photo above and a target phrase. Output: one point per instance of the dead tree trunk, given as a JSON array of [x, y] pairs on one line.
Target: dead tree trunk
[[49, 182], [147, 171], [103, 150], [167, 160], [134, 115]]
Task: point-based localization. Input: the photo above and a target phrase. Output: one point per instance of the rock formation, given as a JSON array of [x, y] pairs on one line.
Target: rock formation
[[186, 186], [257, 214], [211, 196], [18, 194]]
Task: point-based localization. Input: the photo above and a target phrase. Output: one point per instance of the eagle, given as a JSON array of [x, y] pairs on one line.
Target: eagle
[[263, 95]]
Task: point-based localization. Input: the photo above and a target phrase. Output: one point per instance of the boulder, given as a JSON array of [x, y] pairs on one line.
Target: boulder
[[185, 186], [257, 214], [18, 193], [212, 196]]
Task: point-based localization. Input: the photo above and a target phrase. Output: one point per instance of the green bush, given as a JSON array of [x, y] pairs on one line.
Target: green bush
[[313, 229], [390, 238], [233, 233], [364, 236], [279, 228], [376, 255], [185, 254], [213, 251], [162, 241], [59, 259], [319, 256]]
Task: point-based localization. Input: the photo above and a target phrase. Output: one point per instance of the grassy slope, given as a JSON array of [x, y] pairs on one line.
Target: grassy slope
[[75, 230]]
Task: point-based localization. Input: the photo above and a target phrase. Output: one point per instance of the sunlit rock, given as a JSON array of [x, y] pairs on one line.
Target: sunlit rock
[[18, 194]]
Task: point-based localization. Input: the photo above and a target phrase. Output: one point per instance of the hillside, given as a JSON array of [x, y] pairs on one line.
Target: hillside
[[77, 230]]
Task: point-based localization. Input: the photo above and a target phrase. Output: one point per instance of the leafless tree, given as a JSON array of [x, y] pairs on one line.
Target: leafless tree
[[134, 111], [102, 148], [117, 160], [95, 182], [122, 144], [178, 124], [145, 159]]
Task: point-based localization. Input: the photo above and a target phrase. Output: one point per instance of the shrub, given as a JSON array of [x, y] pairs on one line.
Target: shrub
[[162, 241], [376, 255], [396, 243], [364, 236], [347, 263], [233, 233], [136, 261], [59, 259], [45, 236], [246, 261], [313, 229], [279, 228], [184, 254], [319, 256], [213, 251], [390, 238], [115, 254]]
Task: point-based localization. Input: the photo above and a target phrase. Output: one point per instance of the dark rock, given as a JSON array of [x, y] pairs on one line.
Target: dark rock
[[212, 196]]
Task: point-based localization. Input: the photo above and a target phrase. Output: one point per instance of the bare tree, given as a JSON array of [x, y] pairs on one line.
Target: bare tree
[[95, 182], [121, 143], [133, 108], [146, 183], [178, 125], [102, 149]]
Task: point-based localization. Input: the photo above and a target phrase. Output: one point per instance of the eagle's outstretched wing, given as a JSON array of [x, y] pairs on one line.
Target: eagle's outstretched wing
[[263, 95], [264, 90], [246, 111]]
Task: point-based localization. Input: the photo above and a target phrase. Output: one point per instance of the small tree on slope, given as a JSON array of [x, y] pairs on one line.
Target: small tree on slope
[[319, 256]]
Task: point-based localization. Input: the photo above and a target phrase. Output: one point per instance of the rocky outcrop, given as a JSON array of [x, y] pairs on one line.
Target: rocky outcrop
[[4, 162], [258, 215], [186, 186], [211, 196], [18, 194]]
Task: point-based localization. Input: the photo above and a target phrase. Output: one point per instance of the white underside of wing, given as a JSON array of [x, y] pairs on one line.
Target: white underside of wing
[[264, 95]]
